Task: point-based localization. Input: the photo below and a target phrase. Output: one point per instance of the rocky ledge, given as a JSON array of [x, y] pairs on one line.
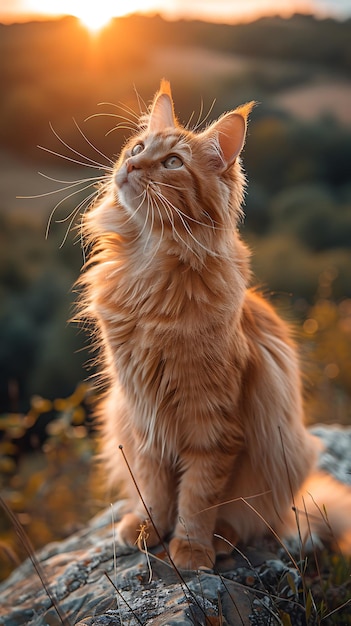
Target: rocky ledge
[[94, 582]]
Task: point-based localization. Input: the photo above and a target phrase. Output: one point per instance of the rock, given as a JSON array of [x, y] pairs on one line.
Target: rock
[[336, 458], [96, 583]]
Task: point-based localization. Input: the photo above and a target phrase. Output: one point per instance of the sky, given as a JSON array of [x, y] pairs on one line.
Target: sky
[[218, 10]]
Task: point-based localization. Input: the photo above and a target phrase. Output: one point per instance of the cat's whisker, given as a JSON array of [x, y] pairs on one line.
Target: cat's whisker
[[154, 204], [148, 212], [132, 125], [104, 156], [102, 114], [187, 125], [131, 217], [140, 101], [202, 224], [198, 121], [215, 147], [72, 182], [150, 208], [109, 114], [168, 214], [157, 182], [129, 111], [93, 197], [120, 126], [86, 203], [168, 209], [207, 115], [146, 221], [189, 231], [70, 185], [83, 156], [66, 197], [80, 226], [186, 226], [162, 226], [84, 245], [67, 158], [68, 229], [142, 195], [85, 200], [206, 213], [123, 107], [213, 225]]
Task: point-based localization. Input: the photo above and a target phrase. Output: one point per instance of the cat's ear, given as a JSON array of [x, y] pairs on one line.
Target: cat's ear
[[162, 111], [230, 133]]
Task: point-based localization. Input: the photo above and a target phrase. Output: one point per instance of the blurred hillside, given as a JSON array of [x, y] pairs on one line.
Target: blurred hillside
[[56, 70], [297, 157]]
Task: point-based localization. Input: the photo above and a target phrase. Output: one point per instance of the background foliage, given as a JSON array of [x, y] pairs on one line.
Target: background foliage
[[298, 216]]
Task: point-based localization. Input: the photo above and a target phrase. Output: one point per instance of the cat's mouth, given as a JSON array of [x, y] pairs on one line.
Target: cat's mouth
[[131, 179], [121, 177], [131, 188]]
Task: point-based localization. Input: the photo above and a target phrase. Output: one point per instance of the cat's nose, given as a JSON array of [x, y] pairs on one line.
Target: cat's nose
[[131, 165]]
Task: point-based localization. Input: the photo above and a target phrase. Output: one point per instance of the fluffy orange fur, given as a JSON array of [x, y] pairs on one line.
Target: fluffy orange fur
[[202, 377]]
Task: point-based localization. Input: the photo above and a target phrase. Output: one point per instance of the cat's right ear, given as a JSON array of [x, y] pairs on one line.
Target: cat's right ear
[[229, 133], [162, 111]]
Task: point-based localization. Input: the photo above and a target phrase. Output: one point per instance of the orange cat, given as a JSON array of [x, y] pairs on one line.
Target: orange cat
[[203, 380]]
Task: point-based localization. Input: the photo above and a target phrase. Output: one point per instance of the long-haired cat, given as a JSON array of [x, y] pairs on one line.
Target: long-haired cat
[[203, 381]]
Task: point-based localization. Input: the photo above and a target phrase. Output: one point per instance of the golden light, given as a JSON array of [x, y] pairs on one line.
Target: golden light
[[98, 14], [94, 15]]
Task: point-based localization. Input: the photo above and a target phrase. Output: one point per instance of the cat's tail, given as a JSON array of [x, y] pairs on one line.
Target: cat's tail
[[321, 513]]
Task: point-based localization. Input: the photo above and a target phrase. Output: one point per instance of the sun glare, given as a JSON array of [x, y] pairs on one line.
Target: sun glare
[[93, 15]]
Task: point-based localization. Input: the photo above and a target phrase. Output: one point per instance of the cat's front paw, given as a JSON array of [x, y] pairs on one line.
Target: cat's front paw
[[133, 530], [188, 554]]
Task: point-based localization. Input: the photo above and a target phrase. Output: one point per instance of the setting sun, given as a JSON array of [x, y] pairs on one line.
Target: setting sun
[[93, 15]]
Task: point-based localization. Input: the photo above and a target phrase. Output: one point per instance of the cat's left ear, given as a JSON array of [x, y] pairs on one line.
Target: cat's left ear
[[162, 111], [230, 133]]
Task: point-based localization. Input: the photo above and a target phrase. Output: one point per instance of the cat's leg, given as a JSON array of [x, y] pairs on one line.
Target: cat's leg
[[128, 464], [200, 492], [157, 486]]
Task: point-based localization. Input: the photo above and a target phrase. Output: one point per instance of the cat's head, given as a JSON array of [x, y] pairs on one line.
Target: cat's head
[[180, 185]]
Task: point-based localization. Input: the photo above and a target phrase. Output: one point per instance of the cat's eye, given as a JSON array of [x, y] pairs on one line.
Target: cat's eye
[[139, 147], [173, 162]]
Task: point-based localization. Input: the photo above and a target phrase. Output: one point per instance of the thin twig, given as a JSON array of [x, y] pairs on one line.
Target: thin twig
[[25, 541], [148, 512], [123, 598]]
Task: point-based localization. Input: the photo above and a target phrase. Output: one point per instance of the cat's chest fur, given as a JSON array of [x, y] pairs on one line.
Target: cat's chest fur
[[169, 340]]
